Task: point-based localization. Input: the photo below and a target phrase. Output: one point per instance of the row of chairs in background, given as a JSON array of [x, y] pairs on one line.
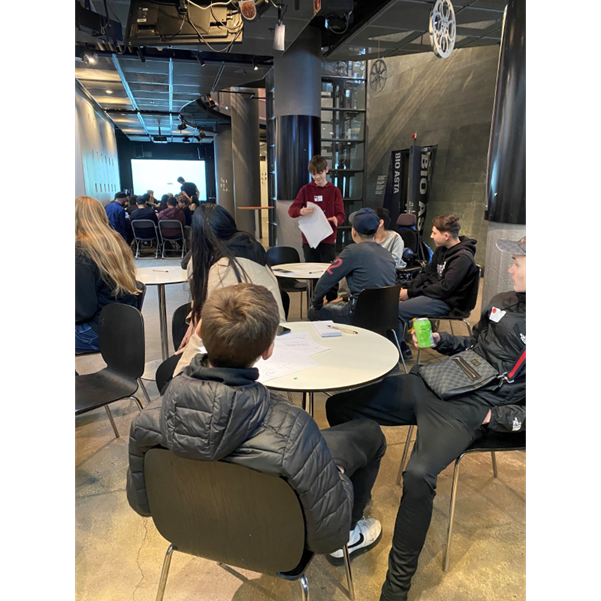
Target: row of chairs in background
[[264, 546], [168, 232]]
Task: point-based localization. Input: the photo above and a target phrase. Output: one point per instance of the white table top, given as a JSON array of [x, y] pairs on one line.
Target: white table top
[[300, 271], [351, 361], [152, 276]]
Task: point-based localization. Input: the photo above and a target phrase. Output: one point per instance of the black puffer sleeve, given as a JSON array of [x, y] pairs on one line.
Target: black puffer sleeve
[[508, 418]]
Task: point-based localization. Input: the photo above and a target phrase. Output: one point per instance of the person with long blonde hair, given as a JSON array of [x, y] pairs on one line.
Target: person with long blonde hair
[[104, 270]]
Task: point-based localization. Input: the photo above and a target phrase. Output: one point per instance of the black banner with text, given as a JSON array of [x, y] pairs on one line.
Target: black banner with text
[[421, 169]]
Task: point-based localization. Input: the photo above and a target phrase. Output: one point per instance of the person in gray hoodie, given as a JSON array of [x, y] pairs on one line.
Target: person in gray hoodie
[[216, 410]]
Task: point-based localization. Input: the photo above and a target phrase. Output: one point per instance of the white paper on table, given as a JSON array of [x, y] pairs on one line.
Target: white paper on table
[[324, 330], [282, 363], [315, 226], [300, 341]]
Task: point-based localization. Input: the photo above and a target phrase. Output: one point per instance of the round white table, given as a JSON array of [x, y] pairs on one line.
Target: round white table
[[353, 360], [302, 271], [160, 276]]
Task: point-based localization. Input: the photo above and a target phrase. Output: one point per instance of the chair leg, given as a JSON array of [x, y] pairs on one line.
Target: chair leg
[[144, 391], [469, 328], [108, 412], [304, 587], [447, 550], [405, 455], [349, 575], [165, 573], [493, 456], [138, 402], [400, 351], [301, 305], [419, 353]]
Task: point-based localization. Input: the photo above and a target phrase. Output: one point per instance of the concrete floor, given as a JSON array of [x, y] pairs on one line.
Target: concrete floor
[[119, 554]]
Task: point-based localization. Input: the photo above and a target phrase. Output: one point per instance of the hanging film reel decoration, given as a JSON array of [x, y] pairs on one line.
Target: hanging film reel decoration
[[442, 27], [377, 75]]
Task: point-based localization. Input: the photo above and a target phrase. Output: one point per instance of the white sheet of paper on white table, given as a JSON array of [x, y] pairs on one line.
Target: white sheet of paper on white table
[[282, 363], [324, 330], [315, 226], [302, 341]]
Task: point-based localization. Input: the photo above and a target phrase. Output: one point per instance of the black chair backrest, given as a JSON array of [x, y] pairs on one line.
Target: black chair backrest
[[142, 288], [471, 296], [411, 238], [144, 229], [171, 229], [377, 309], [121, 340], [225, 512], [281, 254], [164, 373], [179, 325]]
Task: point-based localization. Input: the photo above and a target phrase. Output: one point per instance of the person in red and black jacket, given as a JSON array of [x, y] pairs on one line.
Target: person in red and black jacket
[[446, 428], [328, 197]]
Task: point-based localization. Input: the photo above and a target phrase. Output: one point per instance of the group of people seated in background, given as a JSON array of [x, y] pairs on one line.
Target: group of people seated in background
[[236, 308]]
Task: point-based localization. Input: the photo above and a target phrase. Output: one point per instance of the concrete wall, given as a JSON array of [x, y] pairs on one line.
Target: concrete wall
[[96, 161], [446, 102]]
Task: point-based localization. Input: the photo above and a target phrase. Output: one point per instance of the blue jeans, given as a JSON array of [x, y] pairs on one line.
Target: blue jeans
[[86, 339]]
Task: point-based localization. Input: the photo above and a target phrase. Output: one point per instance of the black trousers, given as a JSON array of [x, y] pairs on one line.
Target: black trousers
[[357, 447], [324, 253], [444, 430]]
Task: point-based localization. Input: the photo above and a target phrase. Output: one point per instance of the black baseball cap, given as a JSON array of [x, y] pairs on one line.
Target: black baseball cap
[[365, 221], [517, 248], [121, 195]]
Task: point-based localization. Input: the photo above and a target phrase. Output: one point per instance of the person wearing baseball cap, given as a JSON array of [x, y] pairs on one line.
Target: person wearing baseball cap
[[365, 264], [445, 428]]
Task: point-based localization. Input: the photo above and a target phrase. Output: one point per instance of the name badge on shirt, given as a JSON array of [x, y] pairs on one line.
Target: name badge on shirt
[[317, 198], [496, 315]]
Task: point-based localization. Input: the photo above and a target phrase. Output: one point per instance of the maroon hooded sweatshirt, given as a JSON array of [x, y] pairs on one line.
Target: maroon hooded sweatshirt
[[328, 197]]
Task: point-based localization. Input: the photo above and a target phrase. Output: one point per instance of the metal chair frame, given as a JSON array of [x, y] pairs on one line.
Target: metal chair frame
[[139, 240], [170, 224]]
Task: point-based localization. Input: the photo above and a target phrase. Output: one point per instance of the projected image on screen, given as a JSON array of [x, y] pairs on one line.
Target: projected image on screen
[[161, 176]]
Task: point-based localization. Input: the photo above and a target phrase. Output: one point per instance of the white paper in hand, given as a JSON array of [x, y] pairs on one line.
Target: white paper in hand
[[315, 226]]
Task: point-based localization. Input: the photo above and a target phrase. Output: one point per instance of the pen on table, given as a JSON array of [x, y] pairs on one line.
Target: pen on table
[[343, 330], [161, 270]]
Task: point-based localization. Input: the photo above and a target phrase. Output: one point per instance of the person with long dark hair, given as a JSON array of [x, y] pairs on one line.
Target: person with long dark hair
[[163, 203], [221, 256]]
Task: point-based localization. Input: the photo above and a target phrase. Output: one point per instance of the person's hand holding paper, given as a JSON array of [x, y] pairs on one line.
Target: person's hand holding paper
[[315, 226]]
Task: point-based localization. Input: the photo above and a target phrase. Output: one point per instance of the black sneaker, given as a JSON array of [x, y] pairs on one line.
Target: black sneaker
[[407, 352]]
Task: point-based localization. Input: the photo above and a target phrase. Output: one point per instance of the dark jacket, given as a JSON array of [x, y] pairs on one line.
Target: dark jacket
[[116, 216], [92, 293], [365, 265], [172, 213], [501, 343], [449, 275], [224, 414], [242, 245], [144, 213]]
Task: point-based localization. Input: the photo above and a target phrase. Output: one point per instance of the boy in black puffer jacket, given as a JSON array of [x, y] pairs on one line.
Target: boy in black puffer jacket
[[216, 410]]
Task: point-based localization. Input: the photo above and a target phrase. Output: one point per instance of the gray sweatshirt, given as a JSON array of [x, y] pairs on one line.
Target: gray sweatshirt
[[366, 265]]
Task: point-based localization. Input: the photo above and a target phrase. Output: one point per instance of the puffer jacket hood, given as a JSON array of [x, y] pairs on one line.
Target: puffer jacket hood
[[227, 408]]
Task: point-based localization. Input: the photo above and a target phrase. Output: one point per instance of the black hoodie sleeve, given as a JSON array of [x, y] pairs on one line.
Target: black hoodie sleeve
[[453, 275], [86, 300]]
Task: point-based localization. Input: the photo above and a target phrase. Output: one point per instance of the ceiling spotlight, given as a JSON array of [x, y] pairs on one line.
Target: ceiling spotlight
[[200, 60], [201, 135], [255, 65], [109, 91], [90, 58]]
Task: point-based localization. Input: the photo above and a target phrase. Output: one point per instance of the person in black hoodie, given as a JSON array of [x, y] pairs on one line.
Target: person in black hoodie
[[447, 280], [446, 428]]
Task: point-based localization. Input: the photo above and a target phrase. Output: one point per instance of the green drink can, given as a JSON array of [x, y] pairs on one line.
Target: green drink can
[[423, 333]]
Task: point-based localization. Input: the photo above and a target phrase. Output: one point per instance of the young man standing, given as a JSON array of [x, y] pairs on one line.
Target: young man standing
[[365, 265], [447, 280], [216, 410], [328, 198]]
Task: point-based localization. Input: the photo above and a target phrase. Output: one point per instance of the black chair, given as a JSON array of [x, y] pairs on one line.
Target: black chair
[[121, 339], [172, 231], [179, 327], [455, 315], [493, 442], [145, 230], [377, 310], [286, 254], [164, 373], [230, 514], [139, 304]]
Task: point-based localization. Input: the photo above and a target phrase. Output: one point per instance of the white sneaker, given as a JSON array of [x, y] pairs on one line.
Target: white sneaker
[[367, 534]]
